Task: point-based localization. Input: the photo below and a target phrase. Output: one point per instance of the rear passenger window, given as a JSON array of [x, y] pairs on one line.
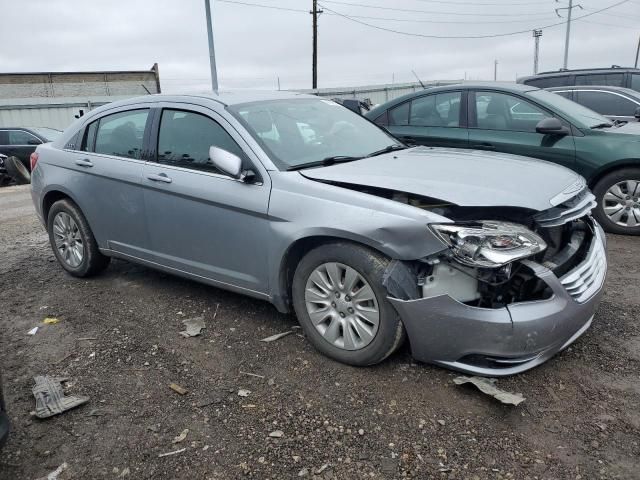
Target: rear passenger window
[[611, 79], [121, 134], [89, 139], [399, 115], [18, 137], [185, 137], [441, 110]]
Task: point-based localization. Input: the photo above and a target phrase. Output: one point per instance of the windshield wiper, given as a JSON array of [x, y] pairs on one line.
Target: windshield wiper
[[602, 125], [390, 148], [325, 162]]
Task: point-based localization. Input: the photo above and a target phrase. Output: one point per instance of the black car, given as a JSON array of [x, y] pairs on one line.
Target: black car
[[616, 103], [4, 419], [613, 77], [18, 143]]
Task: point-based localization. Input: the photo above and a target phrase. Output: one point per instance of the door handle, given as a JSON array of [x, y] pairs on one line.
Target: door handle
[[161, 177], [484, 146], [84, 163]]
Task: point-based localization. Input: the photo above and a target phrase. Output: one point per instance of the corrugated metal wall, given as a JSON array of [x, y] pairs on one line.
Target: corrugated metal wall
[[52, 117], [377, 94]]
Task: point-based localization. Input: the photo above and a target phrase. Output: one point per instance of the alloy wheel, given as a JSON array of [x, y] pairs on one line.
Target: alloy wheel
[[68, 239], [342, 306]]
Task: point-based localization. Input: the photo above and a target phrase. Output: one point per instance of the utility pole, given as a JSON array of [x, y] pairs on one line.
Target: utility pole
[[212, 52], [495, 70], [315, 12], [637, 52], [536, 49], [569, 10]]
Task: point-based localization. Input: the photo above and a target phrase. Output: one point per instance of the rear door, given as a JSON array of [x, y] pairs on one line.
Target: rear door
[[200, 220], [437, 120], [506, 123], [106, 175]]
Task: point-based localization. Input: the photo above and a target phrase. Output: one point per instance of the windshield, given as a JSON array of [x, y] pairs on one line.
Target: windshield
[[299, 131], [574, 112], [49, 134]]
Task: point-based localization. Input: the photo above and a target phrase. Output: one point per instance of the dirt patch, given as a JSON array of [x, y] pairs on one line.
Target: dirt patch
[[118, 341]]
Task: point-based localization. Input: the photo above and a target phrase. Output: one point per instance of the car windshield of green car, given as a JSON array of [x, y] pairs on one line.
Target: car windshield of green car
[[576, 113], [300, 133]]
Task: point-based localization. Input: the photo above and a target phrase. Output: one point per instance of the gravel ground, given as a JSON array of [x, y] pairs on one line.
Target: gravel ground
[[118, 342]]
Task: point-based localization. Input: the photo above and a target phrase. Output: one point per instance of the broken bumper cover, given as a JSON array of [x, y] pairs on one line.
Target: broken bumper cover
[[509, 340]]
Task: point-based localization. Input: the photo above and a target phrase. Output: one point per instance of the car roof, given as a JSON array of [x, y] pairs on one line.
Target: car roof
[[224, 97], [610, 88], [508, 87], [559, 73]]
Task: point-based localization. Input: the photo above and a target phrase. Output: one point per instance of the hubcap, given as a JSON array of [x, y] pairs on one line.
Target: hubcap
[[621, 203], [68, 239], [342, 306]]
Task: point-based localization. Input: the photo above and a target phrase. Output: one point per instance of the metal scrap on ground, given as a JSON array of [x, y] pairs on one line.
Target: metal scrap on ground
[[182, 436], [50, 321], [487, 385], [56, 473], [193, 327], [178, 389], [50, 399], [277, 336]]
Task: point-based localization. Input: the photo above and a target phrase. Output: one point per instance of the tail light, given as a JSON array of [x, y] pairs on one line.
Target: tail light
[[34, 160]]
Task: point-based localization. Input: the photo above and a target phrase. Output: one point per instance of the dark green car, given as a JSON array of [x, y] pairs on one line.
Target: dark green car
[[524, 120]]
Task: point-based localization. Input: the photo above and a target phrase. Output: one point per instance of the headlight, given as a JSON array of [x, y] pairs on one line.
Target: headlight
[[489, 243]]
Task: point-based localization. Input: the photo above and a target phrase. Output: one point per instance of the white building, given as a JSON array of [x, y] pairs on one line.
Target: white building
[[54, 99]]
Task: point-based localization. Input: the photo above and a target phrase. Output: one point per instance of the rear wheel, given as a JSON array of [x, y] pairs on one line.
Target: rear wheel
[[618, 195], [341, 304], [72, 241]]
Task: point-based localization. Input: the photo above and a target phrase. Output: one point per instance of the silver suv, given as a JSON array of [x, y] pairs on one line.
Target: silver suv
[[489, 263]]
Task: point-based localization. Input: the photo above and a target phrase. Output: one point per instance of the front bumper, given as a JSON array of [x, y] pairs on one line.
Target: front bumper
[[509, 340]]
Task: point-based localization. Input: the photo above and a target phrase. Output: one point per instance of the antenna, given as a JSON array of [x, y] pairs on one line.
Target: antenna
[[416, 75]]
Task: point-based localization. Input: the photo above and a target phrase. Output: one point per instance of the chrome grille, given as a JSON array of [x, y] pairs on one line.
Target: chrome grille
[[572, 209], [586, 279]]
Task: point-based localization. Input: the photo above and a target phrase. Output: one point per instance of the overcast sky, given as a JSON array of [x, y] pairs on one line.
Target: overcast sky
[[256, 45]]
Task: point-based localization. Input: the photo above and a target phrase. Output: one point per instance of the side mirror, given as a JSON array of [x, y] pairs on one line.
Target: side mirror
[[226, 162], [637, 114], [551, 126]]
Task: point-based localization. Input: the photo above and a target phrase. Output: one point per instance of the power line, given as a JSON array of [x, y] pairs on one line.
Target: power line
[[495, 35], [407, 20], [529, 14]]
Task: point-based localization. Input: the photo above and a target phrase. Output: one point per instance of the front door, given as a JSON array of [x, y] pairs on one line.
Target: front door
[[507, 123], [436, 120], [200, 220]]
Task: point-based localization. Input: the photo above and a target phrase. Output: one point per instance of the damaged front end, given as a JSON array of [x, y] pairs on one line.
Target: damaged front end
[[508, 293]]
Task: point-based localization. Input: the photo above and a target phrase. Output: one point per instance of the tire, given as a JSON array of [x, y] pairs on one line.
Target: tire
[[618, 179], [17, 170], [370, 266], [92, 261]]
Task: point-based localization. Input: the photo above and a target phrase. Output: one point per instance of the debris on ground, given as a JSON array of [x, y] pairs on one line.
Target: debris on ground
[[56, 473], [50, 399], [193, 327], [50, 321], [321, 469], [277, 336], [178, 389], [244, 392], [277, 434], [304, 472], [252, 374], [488, 386], [175, 452], [182, 436], [33, 331]]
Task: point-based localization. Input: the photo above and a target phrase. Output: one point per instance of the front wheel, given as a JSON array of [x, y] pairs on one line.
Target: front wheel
[[341, 304], [618, 196]]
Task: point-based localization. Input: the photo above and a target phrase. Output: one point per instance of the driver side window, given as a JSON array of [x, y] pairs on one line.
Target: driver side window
[[185, 137], [500, 111]]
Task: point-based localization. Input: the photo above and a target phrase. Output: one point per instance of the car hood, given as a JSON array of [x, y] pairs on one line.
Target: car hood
[[632, 128], [462, 177]]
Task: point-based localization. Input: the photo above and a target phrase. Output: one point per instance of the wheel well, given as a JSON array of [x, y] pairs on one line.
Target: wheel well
[[49, 199], [295, 253], [635, 163]]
